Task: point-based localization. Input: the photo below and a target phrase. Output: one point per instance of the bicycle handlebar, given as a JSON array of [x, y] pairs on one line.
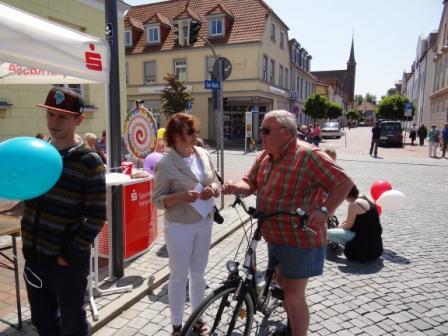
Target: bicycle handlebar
[[254, 213]]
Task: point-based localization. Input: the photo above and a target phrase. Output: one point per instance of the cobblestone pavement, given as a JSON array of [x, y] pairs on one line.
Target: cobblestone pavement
[[404, 293]]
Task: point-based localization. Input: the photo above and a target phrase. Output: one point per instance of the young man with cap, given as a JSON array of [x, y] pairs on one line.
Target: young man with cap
[[59, 227]]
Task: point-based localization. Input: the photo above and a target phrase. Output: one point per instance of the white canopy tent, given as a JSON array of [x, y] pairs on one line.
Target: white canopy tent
[[37, 51]]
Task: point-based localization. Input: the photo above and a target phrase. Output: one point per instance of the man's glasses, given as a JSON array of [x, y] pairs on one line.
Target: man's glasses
[[267, 131], [191, 131]]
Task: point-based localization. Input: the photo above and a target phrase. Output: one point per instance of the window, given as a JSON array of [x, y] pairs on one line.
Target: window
[[282, 40], [153, 34], [128, 38], [180, 69], [209, 63], [149, 70], [272, 31], [265, 68], [216, 27], [272, 73], [298, 87], [280, 76], [286, 79]]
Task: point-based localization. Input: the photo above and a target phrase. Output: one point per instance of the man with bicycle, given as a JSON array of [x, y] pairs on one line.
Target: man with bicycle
[[290, 174]]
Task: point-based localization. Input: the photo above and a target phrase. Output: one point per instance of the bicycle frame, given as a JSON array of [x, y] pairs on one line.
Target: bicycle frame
[[249, 267]]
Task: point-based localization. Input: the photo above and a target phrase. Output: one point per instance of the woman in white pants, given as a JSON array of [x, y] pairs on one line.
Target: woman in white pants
[[184, 175]]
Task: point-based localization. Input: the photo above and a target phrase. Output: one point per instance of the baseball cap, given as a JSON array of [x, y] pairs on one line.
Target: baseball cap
[[64, 100]]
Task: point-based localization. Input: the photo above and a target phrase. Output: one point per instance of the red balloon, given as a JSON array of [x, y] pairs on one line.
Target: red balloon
[[378, 188], [379, 209]]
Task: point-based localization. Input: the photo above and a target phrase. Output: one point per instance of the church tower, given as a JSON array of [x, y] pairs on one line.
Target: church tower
[[351, 73]]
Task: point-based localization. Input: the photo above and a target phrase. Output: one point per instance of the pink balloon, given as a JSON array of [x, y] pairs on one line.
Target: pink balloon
[[150, 162]]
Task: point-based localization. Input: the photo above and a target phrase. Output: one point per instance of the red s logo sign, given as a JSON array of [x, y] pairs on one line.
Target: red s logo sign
[[93, 59]]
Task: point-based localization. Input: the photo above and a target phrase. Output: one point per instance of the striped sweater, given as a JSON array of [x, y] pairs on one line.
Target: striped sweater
[[65, 220]]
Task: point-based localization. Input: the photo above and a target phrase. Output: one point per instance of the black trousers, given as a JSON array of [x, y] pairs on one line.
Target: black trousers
[[56, 297], [422, 140], [374, 147]]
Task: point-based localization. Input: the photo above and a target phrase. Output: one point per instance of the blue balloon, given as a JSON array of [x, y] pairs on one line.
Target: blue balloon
[[29, 168]]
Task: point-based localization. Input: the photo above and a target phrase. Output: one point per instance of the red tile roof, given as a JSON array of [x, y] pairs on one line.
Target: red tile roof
[[134, 23], [250, 19], [220, 9]]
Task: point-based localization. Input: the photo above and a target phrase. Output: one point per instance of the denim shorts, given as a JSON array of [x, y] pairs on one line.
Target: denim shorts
[[296, 262]]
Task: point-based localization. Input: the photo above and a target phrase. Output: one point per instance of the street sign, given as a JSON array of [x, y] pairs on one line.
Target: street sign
[[226, 68], [108, 30], [408, 109], [212, 85]]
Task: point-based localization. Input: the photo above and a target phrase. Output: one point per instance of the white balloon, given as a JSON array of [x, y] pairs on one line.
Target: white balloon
[[392, 200], [114, 179]]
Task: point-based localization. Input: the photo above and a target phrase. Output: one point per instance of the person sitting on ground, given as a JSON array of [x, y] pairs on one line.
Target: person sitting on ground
[[360, 233]]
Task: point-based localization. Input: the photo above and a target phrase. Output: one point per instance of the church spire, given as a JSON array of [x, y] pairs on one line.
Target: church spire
[[352, 53]]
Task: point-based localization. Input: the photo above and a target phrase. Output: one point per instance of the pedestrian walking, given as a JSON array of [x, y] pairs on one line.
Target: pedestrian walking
[[291, 174], [376, 133], [413, 134], [184, 175], [422, 133], [433, 141], [444, 139], [59, 227], [316, 135]]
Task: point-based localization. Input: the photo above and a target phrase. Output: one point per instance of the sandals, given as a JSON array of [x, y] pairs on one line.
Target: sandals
[[200, 328], [176, 330]]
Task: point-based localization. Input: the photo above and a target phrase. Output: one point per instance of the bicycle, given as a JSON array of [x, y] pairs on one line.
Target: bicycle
[[229, 309]]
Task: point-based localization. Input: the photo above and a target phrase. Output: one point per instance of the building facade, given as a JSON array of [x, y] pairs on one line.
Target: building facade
[[248, 33], [438, 98], [18, 114], [302, 83]]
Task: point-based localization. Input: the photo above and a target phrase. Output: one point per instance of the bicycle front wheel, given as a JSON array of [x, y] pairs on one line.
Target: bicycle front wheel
[[223, 314]]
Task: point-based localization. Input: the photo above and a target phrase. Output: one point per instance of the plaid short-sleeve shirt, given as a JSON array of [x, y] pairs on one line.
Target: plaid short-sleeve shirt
[[298, 179]]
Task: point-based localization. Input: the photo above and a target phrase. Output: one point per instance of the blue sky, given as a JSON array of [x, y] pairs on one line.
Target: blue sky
[[385, 34]]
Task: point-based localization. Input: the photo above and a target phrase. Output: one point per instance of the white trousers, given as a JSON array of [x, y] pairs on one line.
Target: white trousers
[[432, 148], [188, 248]]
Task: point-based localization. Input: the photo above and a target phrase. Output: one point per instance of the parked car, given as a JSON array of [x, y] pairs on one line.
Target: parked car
[[391, 133], [331, 129]]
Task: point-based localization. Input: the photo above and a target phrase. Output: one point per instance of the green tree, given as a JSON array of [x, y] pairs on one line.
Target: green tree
[[359, 99], [316, 107], [391, 92], [174, 97], [354, 114], [391, 107], [370, 98], [334, 110]]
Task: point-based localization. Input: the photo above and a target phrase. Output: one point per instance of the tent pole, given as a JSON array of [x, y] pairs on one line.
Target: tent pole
[[114, 135]]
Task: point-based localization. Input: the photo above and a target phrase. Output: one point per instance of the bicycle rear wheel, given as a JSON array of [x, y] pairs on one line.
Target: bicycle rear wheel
[[223, 314]]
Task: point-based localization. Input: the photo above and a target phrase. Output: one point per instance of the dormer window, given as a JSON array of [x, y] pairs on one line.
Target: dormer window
[[128, 38], [216, 27], [153, 34]]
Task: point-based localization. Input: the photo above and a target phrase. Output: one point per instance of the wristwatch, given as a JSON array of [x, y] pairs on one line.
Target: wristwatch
[[324, 210]]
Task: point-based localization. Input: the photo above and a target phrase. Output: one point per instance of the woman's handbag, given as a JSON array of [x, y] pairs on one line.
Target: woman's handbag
[[217, 218]]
